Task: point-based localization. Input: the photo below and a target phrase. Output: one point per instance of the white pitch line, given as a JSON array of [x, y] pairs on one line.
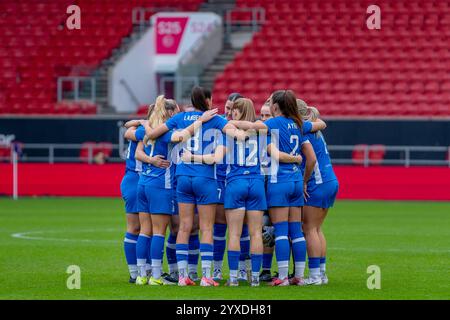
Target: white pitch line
[[423, 251], [29, 235]]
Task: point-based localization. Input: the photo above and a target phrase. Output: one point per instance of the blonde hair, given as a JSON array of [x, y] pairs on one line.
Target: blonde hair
[[160, 112], [246, 108], [302, 107], [150, 110], [312, 114]]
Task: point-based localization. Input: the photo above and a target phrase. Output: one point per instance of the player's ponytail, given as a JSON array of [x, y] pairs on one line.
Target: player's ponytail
[[160, 112], [287, 103], [150, 110]]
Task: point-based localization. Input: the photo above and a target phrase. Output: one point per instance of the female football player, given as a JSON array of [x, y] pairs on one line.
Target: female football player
[[285, 186], [157, 175], [320, 193], [220, 224], [128, 188], [245, 194], [196, 184]]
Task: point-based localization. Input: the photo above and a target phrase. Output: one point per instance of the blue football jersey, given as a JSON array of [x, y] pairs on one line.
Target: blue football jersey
[[203, 142], [243, 158], [131, 163], [165, 176], [285, 132], [323, 170], [307, 127]]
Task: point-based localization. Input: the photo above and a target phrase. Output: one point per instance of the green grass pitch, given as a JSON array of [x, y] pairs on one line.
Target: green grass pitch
[[40, 238]]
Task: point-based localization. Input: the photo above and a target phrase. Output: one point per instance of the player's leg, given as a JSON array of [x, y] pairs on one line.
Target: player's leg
[[194, 251], [129, 244], [298, 244], [313, 216], [206, 197], [256, 204], [171, 253], [142, 247], [186, 208], [220, 230], [255, 222], [279, 217], [323, 251], [278, 200], [144, 238], [244, 258], [186, 214], [235, 220], [128, 188], [159, 225], [266, 275], [206, 214]]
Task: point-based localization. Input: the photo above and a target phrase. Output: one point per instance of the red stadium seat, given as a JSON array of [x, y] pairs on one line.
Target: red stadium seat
[[358, 154], [332, 58], [31, 39], [376, 154]]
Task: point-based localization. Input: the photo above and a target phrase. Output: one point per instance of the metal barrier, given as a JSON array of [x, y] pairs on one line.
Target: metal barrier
[[406, 155], [75, 92], [138, 15], [258, 15], [49, 149], [48, 154]]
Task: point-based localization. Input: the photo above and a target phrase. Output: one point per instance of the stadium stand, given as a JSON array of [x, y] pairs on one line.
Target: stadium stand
[[36, 47], [325, 53]]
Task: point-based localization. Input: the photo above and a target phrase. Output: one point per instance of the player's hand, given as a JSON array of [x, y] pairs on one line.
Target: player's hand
[[298, 159], [186, 156], [160, 162], [305, 191], [268, 236], [208, 115]]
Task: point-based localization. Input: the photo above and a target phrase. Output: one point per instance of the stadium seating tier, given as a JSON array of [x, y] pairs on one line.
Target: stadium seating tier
[[36, 47], [326, 54]]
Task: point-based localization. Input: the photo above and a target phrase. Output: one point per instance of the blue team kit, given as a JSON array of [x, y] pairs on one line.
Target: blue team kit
[[238, 182]]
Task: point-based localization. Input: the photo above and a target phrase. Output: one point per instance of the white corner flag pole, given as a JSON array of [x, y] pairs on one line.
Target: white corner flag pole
[[15, 173]]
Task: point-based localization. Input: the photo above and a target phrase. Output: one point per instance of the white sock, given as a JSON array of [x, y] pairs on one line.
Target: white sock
[[314, 272], [182, 266], [242, 265], [255, 274], [206, 268], [322, 268], [300, 269], [133, 271], [233, 274], [192, 268], [218, 265], [283, 269], [156, 268], [142, 266]]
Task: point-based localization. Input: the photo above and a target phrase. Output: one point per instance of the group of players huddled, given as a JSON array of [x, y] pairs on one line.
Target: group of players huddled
[[270, 182]]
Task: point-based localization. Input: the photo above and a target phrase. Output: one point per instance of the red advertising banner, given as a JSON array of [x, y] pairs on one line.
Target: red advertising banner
[[169, 31], [372, 183]]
